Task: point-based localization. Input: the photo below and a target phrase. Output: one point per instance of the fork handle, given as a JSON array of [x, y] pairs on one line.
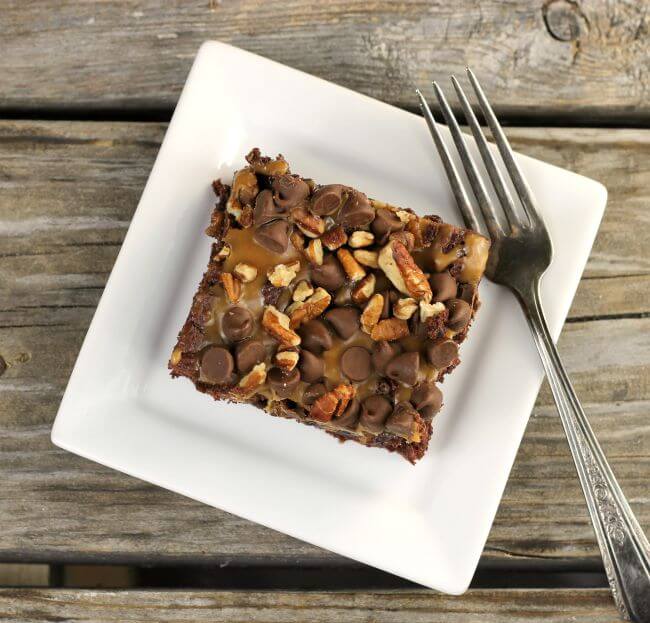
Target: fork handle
[[624, 547]]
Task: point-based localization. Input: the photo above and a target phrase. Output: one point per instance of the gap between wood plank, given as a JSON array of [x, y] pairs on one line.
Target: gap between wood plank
[[158, 114]]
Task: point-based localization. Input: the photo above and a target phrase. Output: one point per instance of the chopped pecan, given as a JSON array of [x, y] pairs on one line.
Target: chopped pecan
[[297, 240], [231, 286], [428, 310], [404, 273], [332, 404], [367, 258], [282, 275], [254, 378], [405, 237], [309, 224], [314, 251], [389, 330], [244, 190], [363, 290], [311, 308], [245, 272], [276, 324], [352, 268], [405, 308], [334, 238], [286, 359], [372, 313], [359, 239], [303, 290]]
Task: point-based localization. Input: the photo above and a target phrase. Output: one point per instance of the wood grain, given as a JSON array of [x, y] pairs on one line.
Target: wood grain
[[551, 606], [564, 59], [68, 193]]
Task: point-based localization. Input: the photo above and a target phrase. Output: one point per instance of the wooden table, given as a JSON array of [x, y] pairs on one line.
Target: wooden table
[[85, 91]]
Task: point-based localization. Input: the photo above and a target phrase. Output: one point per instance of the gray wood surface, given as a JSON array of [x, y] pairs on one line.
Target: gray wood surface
[[480, 606], [559, 58], [68, 192]]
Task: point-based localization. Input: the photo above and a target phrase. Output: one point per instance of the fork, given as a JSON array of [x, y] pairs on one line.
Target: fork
[[520, 254]]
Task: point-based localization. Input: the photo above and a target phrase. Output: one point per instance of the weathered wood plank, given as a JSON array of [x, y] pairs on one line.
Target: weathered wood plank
[[586, 59], [68, 193], [551, 606]]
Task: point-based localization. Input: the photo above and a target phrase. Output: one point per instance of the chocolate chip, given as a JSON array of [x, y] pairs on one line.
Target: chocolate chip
[[382, 353], [427, 399], [356, 364], [345, 320], [217, 366], [315, 336], [327, 199], [356, 211], [289, 190], [273, 236], [384, 224], [442, 354], [400, 422], [459, 314], [443, 287], [343, 295], [385, 310], [237, 323], [312, 367], [265, 209], [350, 416], [248, 354], [281, 382], [284, 299], [467, 292], [329, 275], [404, 368], [374, 411], [312, 393]]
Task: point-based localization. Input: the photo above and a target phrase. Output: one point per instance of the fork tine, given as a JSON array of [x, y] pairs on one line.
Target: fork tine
[[498, 182], [475, 180], [464, 205], [523, 190]]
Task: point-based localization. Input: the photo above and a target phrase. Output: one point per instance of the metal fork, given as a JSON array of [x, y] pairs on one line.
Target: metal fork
[[520, 254]]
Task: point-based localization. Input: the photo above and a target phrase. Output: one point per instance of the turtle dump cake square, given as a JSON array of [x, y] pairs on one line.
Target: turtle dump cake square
[[322, 305]]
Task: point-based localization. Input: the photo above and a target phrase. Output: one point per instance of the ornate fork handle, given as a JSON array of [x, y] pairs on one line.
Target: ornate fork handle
[[624, 547]]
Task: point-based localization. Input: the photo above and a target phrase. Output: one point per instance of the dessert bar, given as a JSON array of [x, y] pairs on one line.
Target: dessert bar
[[328, 307]]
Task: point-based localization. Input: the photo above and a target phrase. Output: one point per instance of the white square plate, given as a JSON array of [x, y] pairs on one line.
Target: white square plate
[[428, 522]]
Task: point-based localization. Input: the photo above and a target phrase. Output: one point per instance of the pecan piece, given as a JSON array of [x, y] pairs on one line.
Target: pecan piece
[[245, 272], [276, 324], [309, 224], [253, 379], [311, 308], [352, 268], [389, 330], [282, 275], [231, 286], [404, 273], [332, 404], [405, 308], [286, 359], [363, 290], [372, 313], [359, 239], [367, 258], [314, 251], [334, 238]]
